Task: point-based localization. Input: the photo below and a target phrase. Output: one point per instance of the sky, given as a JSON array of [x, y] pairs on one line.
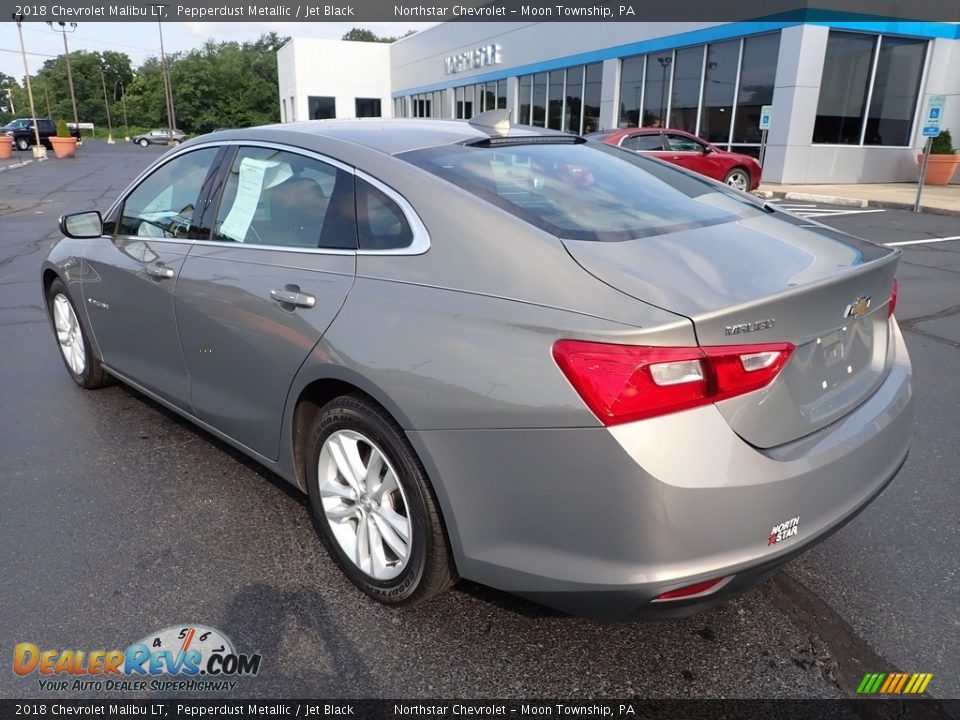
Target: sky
[[139, 40]]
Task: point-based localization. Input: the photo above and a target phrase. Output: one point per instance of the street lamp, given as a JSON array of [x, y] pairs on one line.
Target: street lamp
[[123, 101], [39, 151], [63, 30], [167, 89], [106, 104]]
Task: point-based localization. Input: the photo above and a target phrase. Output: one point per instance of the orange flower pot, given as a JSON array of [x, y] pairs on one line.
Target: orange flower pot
[[64, 147], [940, 168], [6, 147]]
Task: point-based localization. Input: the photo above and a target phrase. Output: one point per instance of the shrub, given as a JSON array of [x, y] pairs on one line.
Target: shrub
[[942, 144], [62, 129]]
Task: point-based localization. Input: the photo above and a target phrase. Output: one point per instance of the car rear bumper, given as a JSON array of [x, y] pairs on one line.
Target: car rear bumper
[[601, 521]]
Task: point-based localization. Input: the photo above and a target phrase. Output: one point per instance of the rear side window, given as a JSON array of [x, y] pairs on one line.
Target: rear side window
[[381, 224], [278, 198], [643, 143], [586, 191]]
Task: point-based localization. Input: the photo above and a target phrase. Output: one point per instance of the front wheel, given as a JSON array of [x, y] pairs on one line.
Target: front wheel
[[375, 510], [739, 179], [23, 144], [75, 349], [143, 142]]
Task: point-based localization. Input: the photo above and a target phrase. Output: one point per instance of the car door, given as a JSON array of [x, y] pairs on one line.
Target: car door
[[130, 277], [254, 299], [648, 142], [693, 154]]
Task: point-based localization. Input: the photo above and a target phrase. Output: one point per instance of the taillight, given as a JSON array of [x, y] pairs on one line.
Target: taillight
[[892, 303], [622, 383], [691, 591]]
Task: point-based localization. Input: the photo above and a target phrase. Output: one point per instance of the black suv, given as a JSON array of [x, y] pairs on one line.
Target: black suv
[[21, 130]]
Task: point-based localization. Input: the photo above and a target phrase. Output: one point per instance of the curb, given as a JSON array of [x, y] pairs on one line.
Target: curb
[[854, 202], [828, 199], [16, 165]]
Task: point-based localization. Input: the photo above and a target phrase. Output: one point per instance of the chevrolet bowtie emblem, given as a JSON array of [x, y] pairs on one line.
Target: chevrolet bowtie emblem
[[858, 307]]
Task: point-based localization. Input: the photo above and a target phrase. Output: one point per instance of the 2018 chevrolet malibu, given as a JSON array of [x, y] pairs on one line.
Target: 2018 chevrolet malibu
[[503, 354]]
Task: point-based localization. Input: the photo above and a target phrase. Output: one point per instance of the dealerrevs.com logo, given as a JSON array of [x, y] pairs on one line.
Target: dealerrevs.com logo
[[184, 657]]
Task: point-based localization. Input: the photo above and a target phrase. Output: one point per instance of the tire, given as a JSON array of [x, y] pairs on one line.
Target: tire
[[354, 427], [739, 178], [73, 340], [23, 144], [143, 142]]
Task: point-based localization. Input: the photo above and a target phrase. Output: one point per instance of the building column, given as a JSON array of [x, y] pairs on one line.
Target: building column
[[610, 95], [795, 96]]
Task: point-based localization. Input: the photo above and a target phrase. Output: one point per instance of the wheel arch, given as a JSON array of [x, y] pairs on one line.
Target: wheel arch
[[322, 384]]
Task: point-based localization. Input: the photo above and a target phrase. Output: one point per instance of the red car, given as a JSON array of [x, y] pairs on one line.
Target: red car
[[687, 150]]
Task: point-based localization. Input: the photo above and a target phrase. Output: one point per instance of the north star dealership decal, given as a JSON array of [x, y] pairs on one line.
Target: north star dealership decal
[[199, 657], [786, 529]]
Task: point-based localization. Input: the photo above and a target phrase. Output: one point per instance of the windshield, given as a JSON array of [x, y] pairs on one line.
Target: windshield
[[585, 191]]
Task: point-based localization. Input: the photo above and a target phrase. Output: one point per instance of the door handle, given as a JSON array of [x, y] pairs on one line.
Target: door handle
[[291, 295], [160, 271]]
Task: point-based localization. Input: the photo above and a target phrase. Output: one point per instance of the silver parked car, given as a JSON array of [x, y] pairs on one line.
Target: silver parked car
[[160, 136], [520, 357]]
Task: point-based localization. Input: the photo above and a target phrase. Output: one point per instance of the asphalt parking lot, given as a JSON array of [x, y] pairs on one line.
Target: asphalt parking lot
[[117, 518]]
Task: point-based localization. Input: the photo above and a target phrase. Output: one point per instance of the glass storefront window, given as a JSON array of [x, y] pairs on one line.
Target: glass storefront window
[[555, 100], [631, 89], [367, 107], [591, 97], [718, 88], [843, 88], [572, 112], [321, 108], [685, 97], [895, 87], [501, 94], [524, 103], [540, 99], [659, 67], [757, 73]]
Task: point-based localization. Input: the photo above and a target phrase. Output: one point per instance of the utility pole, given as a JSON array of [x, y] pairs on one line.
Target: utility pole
[[106, 104], [39, 151], [167, 89], [123, 102], [73, 97]]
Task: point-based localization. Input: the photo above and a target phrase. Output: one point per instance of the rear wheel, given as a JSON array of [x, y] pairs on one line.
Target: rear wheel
[[143, 142], [375, 510], [738, 178], [75, 350]]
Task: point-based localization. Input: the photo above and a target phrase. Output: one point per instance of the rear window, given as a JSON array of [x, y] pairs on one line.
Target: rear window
[[585, 191]]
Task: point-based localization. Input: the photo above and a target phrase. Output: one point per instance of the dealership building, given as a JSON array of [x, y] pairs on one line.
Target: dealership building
[[847, 98]]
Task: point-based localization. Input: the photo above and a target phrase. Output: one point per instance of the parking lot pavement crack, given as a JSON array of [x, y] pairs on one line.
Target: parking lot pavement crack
[[912, 325], [842, 656]]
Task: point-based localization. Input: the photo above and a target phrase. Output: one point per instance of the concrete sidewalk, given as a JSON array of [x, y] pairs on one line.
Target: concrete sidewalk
[[943, 200]]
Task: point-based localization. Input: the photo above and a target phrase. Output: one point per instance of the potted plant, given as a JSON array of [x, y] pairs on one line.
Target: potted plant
[[942, 162], [64, 145], [6, 147]]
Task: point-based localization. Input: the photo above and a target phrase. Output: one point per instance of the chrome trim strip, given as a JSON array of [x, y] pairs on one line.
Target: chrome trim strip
[[421, 238], [277, 248]]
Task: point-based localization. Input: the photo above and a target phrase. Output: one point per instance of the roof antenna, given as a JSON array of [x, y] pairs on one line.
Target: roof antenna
[[492, 121]]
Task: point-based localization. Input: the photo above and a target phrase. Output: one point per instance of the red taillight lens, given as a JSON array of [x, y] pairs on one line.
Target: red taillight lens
[[702, 588], [892, 304], [622, 383]]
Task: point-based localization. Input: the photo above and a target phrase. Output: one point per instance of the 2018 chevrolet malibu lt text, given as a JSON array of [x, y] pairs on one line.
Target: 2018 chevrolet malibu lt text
[[499, 353]]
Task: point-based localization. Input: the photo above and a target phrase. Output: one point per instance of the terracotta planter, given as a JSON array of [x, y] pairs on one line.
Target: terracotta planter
[[64, 147], [6, 147], [940, 168]]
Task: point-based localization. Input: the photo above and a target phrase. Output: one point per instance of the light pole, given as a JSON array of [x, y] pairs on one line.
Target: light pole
[[664, 64], [106, 104], [73, 98], [123, 102], [168, 90], [39, 151]]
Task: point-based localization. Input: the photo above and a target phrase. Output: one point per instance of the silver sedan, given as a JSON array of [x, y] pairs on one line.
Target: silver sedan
[[499, 353]]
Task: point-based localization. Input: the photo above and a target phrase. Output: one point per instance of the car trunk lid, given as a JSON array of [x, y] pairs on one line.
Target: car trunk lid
[[769, 278]]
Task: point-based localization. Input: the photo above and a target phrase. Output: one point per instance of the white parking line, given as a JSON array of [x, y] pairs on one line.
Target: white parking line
[[814, 211], [923, 242]]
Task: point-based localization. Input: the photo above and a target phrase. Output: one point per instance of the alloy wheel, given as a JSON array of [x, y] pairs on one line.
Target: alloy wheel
[[365, 504], [69, 334], [739, 180]]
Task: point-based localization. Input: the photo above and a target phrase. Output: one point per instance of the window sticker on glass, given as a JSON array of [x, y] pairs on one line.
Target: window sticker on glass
[[255, 176]]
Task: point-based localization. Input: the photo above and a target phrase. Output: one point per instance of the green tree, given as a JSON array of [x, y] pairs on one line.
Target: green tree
[[364, 35]]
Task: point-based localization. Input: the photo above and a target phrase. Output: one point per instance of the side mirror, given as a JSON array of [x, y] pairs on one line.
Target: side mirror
[[707, 149], [82, 226]]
